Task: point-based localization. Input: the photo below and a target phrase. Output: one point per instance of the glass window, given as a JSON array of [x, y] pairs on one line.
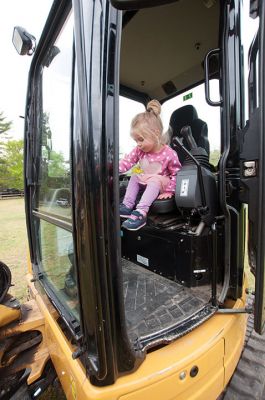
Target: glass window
[[128, 109], [247, 36], [57, 265], [209, 114], [55, 188], [196, 97], [54, 211]]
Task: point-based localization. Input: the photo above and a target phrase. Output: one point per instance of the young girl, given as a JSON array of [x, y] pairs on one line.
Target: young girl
[[158, 163]]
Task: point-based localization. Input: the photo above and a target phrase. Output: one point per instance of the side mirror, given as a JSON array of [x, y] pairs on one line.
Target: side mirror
[[23, 42]]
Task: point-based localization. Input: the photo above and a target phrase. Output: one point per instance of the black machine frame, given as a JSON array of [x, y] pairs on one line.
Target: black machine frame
[[103, 342]]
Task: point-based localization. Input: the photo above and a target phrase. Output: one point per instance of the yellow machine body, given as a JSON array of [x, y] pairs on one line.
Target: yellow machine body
[[197, 366]]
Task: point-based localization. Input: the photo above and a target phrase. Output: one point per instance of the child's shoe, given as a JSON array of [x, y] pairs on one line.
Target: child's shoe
[[135, 222], [125, 211]]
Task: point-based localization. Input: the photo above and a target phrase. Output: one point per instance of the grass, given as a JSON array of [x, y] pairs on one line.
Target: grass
[[13, 252], [14, 247]]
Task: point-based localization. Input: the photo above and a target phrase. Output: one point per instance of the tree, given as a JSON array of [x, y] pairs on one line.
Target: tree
[[3, 173], [11, 173], [51, 159], [4, 128], [57, 165], [46, 134]]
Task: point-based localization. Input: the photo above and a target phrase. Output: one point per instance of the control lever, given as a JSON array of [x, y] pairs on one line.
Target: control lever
[[186, 133], [177, 143]]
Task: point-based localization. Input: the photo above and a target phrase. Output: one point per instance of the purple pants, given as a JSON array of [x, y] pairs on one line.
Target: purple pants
[[149, 196]]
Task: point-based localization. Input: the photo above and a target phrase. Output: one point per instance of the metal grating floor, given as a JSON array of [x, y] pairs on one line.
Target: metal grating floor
[[154, 303]]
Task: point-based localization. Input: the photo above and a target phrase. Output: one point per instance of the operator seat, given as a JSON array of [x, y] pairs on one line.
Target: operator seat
[[187, 115], [183, 116]]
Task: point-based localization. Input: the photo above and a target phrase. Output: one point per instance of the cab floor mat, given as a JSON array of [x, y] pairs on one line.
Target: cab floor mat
[[154, 303]]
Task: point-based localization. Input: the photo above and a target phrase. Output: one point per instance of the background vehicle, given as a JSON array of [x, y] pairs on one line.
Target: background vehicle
[[160, 313]]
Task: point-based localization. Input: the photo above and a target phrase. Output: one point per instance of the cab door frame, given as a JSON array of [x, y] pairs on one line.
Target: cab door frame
[[96, 190], [259, 320], [103, 346], [252, 158]]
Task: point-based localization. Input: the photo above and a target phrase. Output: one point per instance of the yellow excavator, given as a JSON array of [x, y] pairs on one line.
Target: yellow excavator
[[163, 312]]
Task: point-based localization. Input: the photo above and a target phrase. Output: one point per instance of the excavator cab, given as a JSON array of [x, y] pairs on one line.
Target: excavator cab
[[160, 312]]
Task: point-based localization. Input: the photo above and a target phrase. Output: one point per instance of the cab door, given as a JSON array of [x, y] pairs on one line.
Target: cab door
[[253, 164], [260, 267]]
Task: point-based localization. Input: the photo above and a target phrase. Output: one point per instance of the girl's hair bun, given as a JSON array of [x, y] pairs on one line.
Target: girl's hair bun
[[154, 106]]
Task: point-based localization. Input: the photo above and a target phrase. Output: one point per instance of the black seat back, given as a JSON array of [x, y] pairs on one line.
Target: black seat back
[[187, 115]]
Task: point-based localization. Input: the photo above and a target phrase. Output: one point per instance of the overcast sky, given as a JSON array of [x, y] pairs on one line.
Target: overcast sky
[[14, 69]]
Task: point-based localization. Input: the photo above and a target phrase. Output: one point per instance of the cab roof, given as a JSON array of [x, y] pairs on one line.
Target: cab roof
[[163, 48]]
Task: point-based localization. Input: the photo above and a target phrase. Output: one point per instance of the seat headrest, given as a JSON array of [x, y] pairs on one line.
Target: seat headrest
[[181, 117]]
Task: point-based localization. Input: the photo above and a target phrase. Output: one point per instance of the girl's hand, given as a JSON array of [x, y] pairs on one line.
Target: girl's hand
[[166, 195]]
